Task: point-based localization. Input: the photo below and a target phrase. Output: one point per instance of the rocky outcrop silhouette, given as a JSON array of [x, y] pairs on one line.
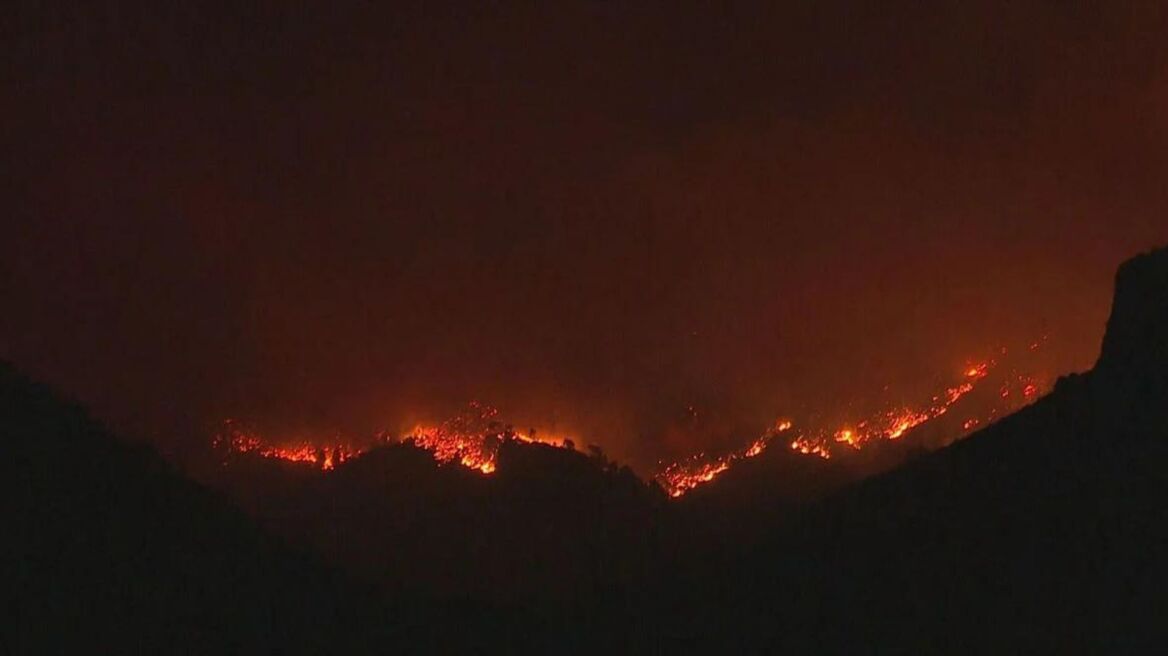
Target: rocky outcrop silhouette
[[1135, 345], [1045, 532]]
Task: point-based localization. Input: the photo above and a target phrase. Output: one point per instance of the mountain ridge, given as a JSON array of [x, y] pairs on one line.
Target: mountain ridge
[[1047, 527]]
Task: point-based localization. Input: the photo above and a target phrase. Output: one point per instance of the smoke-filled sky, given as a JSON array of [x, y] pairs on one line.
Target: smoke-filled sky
[[591, 215]]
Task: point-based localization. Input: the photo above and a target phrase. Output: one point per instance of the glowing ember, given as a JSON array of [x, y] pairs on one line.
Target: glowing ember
[[806, 447], [755, 449], [681, 477], [235, 439], [890, 424], [472, 438]]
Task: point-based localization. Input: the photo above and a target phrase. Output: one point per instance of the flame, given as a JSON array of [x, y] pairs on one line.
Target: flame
[[235, 439], [472, 438], [681, 477], [888, 425], [807, 447]]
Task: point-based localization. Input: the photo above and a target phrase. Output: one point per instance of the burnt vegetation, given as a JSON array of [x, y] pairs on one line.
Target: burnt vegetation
[[1045, 530]]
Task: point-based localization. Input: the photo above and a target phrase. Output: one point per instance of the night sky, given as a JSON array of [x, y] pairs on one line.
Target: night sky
[[589, 215]]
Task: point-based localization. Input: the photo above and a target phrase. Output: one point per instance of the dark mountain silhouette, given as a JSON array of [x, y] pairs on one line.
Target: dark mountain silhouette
[[551, 523], [779, 481], [1046, 531], [107, 549]]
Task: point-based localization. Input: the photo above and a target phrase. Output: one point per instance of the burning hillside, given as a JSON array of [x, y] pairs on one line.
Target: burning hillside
[[473, 437], [235, 439], [824, 439]]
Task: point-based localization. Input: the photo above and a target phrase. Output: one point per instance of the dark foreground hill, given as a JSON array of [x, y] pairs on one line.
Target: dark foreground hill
[[550, 525], [107, 550], [1045, 533]]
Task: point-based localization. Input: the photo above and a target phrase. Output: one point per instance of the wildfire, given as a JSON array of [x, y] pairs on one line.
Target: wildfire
[[472, 438], [807, 447], [681, 477], [889, 424], [236, 439], [892, 424]]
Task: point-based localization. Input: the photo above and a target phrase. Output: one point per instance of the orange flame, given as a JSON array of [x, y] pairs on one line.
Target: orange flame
[[472, 438], [681, 477], [236, 439]]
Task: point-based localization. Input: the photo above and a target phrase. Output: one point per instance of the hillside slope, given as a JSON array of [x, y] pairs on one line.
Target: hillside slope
[[107, 549], [1046, 531], [550, 525]]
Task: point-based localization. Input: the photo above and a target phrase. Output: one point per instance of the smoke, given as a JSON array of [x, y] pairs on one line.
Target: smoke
[[658, 235]]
